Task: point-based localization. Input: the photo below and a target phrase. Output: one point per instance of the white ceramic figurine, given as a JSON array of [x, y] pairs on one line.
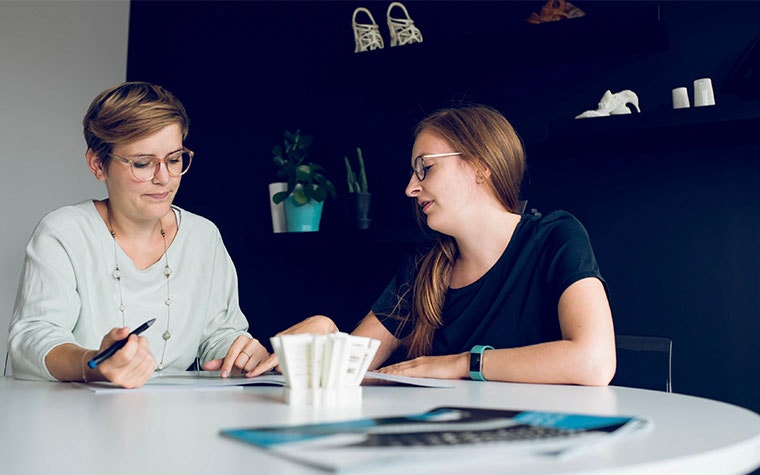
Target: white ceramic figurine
[[613, 104]]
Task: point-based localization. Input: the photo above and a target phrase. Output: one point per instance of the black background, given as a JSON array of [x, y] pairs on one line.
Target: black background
[[669, 198]]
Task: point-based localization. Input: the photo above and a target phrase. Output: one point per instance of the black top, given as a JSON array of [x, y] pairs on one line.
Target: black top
[[513, 304]]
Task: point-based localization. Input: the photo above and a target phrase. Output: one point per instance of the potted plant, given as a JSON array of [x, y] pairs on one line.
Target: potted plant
[[357, 186], [307, 186]]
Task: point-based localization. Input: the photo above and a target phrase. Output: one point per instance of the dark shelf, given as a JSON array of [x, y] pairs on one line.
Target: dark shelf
[[696, 127], [744, 113]]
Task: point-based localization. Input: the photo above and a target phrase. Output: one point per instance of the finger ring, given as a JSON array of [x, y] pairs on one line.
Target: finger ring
[[246, 354]]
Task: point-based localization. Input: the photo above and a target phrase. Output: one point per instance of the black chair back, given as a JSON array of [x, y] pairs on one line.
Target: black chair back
[[644, 362]]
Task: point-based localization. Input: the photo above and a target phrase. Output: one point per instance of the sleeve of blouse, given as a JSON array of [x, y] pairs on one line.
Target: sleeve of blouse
[[47, 304], [226, 320]]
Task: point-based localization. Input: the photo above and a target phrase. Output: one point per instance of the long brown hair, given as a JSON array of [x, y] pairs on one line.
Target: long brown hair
[[486, 139]]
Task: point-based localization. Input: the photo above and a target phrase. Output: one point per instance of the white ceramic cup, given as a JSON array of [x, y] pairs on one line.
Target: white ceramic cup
[[279, 224], [703, 93], [680, 98]]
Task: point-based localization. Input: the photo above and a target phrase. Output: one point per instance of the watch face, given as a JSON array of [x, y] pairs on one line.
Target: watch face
[[475, 362]]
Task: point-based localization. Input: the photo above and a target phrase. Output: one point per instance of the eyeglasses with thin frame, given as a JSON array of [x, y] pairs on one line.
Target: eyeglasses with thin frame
[[144, 169], [420, 169]]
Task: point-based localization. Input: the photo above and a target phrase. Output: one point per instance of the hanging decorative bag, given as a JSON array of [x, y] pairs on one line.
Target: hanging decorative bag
[[366, 35], [403, 31]]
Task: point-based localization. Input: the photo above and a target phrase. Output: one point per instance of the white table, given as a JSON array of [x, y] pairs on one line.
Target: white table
[[48, 428]]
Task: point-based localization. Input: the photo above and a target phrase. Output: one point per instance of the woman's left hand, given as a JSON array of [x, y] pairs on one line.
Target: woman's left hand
[[439, 367], [244, 354]]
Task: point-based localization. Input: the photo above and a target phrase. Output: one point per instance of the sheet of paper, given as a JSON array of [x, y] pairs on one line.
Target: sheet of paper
[[190, 381], [210, 380], [375, 378]]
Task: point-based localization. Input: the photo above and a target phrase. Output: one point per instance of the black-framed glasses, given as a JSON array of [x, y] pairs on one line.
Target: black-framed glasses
[[144, 169], [420, 169]]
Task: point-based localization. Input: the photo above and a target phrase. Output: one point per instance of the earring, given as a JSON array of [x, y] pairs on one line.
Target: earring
[[403, 31], [366, 35]]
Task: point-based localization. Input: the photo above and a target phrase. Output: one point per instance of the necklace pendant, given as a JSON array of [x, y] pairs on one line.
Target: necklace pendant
[[116, 274]]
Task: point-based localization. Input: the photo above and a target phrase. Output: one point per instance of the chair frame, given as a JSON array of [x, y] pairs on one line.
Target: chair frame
[[649, 343]]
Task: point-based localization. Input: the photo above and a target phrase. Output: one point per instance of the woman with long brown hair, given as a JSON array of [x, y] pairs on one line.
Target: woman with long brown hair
[[498, 295]]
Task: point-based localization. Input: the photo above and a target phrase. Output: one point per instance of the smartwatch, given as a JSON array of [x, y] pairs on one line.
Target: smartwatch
[[476, 362]]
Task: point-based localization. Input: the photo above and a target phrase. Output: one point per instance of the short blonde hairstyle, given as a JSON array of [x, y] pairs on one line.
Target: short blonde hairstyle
[[128, 112]]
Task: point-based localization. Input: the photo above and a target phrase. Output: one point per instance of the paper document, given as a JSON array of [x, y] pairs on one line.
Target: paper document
[[191, 380], [206, 380], [373, 378]]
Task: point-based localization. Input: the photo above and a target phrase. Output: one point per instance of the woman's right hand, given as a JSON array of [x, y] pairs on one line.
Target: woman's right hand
[[318, 324], [132, 365]]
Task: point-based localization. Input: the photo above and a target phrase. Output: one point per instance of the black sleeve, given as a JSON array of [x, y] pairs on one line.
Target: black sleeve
[[567, 256], [394, 302]]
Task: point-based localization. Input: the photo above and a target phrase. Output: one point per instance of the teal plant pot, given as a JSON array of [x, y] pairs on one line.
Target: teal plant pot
[[302, 218]]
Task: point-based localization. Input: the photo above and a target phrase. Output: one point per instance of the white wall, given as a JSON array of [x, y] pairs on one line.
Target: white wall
[[55, 57]]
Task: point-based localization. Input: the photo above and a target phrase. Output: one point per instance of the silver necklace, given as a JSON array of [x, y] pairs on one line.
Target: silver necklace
[[167, 273]]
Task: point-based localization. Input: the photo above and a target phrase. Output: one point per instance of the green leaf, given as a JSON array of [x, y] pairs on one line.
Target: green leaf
[[279, 197], [309, 191], [318, 193], [299, 196], [362, 172], [303, 173]]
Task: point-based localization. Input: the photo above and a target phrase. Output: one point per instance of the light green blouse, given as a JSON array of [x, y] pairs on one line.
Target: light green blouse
[[67, 292]]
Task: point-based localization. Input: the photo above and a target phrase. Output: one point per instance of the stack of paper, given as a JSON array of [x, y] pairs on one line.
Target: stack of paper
[[324, 370]]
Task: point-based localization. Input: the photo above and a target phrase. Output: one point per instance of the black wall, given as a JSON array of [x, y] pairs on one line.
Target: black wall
[[670, 198]]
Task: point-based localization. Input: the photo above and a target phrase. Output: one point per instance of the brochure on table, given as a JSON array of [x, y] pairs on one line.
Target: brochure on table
[[444, 435], [205, 380]]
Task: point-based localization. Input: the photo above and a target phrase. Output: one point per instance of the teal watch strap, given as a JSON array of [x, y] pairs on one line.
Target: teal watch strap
[[476, 362]]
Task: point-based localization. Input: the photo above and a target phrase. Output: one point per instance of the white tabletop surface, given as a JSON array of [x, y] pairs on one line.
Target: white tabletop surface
[[48, 428]]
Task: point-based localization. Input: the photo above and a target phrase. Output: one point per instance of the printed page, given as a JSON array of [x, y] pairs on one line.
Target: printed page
[[373, 378], [190, 381]]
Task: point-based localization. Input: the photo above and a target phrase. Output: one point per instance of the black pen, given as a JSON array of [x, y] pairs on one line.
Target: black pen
[[108, 352]]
